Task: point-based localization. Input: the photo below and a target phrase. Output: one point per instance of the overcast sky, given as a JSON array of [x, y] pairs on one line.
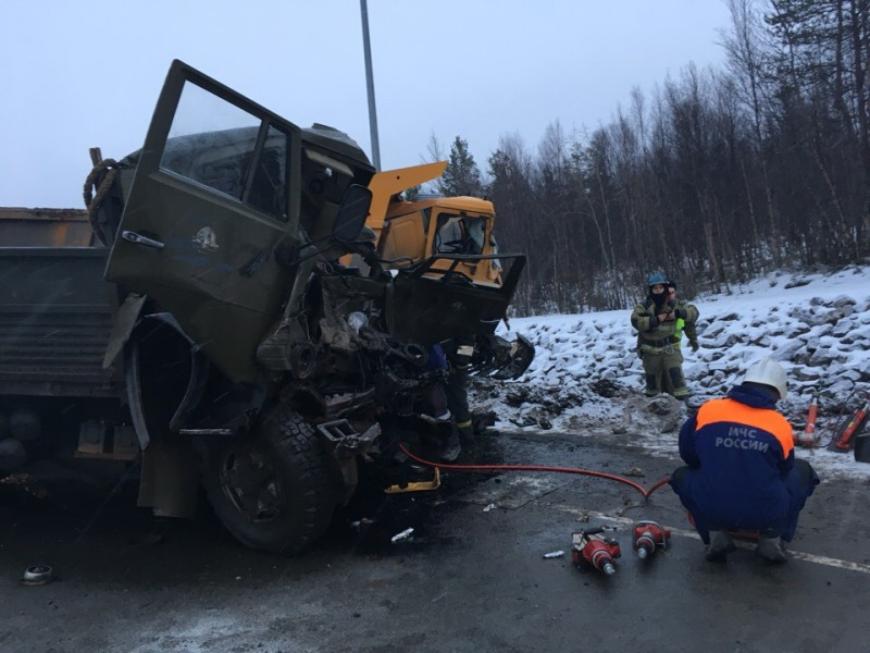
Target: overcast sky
[[76, 75]]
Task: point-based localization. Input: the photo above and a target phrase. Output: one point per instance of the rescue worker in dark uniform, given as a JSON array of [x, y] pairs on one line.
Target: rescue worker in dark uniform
[[436, 409], [656, 321], [456, 389], [460, 353], [741, 472]]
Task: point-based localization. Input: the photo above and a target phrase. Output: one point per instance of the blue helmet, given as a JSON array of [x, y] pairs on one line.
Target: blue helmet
[[657, 278]]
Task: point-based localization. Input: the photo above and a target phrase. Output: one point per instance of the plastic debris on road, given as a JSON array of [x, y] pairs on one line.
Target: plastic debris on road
[[404, 535]]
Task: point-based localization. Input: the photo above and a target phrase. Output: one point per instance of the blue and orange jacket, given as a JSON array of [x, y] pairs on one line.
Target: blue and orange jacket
[[740, 450]]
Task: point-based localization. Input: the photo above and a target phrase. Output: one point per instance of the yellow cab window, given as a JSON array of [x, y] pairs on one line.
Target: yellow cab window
[[459, 234]]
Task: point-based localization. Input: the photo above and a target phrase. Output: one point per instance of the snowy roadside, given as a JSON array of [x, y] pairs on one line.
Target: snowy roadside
[[587, 378]]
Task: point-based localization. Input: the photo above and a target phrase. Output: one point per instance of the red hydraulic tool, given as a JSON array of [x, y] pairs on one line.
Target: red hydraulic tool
[[844, 441], [593, 548], [649, 536], [809, 438]]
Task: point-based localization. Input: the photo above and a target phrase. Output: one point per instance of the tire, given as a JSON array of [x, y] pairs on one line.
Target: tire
[[272, 491]]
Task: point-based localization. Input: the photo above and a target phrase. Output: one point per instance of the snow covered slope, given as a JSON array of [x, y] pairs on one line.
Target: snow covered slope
[[587, 378]]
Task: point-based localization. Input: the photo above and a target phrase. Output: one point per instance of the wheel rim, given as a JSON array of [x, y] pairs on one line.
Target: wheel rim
[[250, 482]]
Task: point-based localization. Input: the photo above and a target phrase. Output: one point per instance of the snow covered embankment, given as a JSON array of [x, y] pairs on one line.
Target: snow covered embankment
[[587, 378]]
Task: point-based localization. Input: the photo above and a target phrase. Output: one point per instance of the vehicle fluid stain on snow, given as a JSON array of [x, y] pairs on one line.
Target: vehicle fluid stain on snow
[[196, 635], [199, 633], [586, 375]]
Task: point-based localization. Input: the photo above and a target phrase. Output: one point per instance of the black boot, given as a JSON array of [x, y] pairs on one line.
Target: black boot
[[451, 447], [484, 423], [678, 382], [466, 433]]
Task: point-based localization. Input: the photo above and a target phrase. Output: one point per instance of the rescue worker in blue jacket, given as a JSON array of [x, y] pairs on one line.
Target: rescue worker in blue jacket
[[741, 472]]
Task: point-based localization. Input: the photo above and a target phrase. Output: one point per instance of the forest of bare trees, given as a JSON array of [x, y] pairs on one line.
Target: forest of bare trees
[[717, 176]]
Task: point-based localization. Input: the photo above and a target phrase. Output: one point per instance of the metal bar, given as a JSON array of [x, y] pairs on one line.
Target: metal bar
[[370, 86], [419, 269]]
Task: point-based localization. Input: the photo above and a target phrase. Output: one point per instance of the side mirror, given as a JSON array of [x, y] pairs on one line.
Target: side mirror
[[352, 214]]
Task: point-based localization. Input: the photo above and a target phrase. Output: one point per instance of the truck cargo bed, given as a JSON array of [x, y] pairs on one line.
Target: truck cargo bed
[[55, 320]]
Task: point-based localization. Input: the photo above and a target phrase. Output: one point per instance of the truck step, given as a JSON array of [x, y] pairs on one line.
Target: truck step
[[100, 440]]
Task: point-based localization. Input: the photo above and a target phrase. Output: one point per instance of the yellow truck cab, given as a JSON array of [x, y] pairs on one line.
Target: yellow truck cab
[[410, 231], [451, 225], [447, 239]]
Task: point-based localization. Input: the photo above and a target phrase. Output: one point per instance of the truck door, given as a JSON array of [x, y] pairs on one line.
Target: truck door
[[215, 192]]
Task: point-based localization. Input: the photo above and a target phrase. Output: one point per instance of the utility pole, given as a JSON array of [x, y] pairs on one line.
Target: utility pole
[[370, 86]]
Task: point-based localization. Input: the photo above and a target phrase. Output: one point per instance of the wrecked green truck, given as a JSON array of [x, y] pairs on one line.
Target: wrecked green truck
[[210, 336]]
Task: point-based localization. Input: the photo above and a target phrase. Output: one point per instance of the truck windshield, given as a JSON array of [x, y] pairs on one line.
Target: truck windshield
[[459, 234]]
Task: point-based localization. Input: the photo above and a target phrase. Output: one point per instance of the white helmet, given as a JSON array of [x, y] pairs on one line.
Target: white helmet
[[768, 372]]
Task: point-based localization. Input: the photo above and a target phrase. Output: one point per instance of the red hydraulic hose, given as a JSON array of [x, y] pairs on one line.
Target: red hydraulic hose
[[655, 486], [538, 468]]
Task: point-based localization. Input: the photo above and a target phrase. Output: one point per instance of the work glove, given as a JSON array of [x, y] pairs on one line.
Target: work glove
[[653, 322], [681, 313], [694, 345]]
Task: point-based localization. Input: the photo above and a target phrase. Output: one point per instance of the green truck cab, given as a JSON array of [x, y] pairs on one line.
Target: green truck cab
[[211, 333]]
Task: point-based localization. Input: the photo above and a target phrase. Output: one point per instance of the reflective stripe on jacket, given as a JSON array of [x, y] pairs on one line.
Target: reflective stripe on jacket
[[679, 325], [663, 333]]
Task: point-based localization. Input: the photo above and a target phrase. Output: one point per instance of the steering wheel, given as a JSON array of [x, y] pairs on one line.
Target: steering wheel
[[452, 247]]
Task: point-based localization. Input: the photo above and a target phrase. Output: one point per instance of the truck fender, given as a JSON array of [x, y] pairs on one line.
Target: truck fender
[[126, 319], [199, 373], [133, 388]]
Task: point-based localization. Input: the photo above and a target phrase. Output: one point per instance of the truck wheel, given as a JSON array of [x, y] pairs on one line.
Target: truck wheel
[[272, 491]]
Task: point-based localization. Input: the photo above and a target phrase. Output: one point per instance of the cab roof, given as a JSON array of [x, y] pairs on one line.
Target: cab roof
[[461, 203]]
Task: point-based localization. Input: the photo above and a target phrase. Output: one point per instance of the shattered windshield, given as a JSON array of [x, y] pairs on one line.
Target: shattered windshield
[[459, 234]]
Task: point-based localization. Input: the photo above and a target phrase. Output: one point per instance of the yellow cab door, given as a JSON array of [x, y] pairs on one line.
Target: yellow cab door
[[404, 239]]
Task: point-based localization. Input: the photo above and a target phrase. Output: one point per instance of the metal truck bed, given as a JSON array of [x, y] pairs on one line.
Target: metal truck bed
[[56, 315]]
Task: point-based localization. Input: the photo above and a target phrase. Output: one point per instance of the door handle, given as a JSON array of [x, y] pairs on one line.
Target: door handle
[[139, 239]]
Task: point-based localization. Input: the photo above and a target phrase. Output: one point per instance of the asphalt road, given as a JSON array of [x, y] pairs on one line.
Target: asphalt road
[[471, 578]]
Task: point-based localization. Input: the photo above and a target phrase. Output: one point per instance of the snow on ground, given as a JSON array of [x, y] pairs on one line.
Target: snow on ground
[[587, 378]]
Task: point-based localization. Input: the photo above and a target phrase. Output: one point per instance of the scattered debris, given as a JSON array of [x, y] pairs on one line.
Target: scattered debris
[[634, 471], [628, 505], [554, 554], [663, 405], [26, 483], [605, 388], [489, 507], [404, 535], [36, 575]]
